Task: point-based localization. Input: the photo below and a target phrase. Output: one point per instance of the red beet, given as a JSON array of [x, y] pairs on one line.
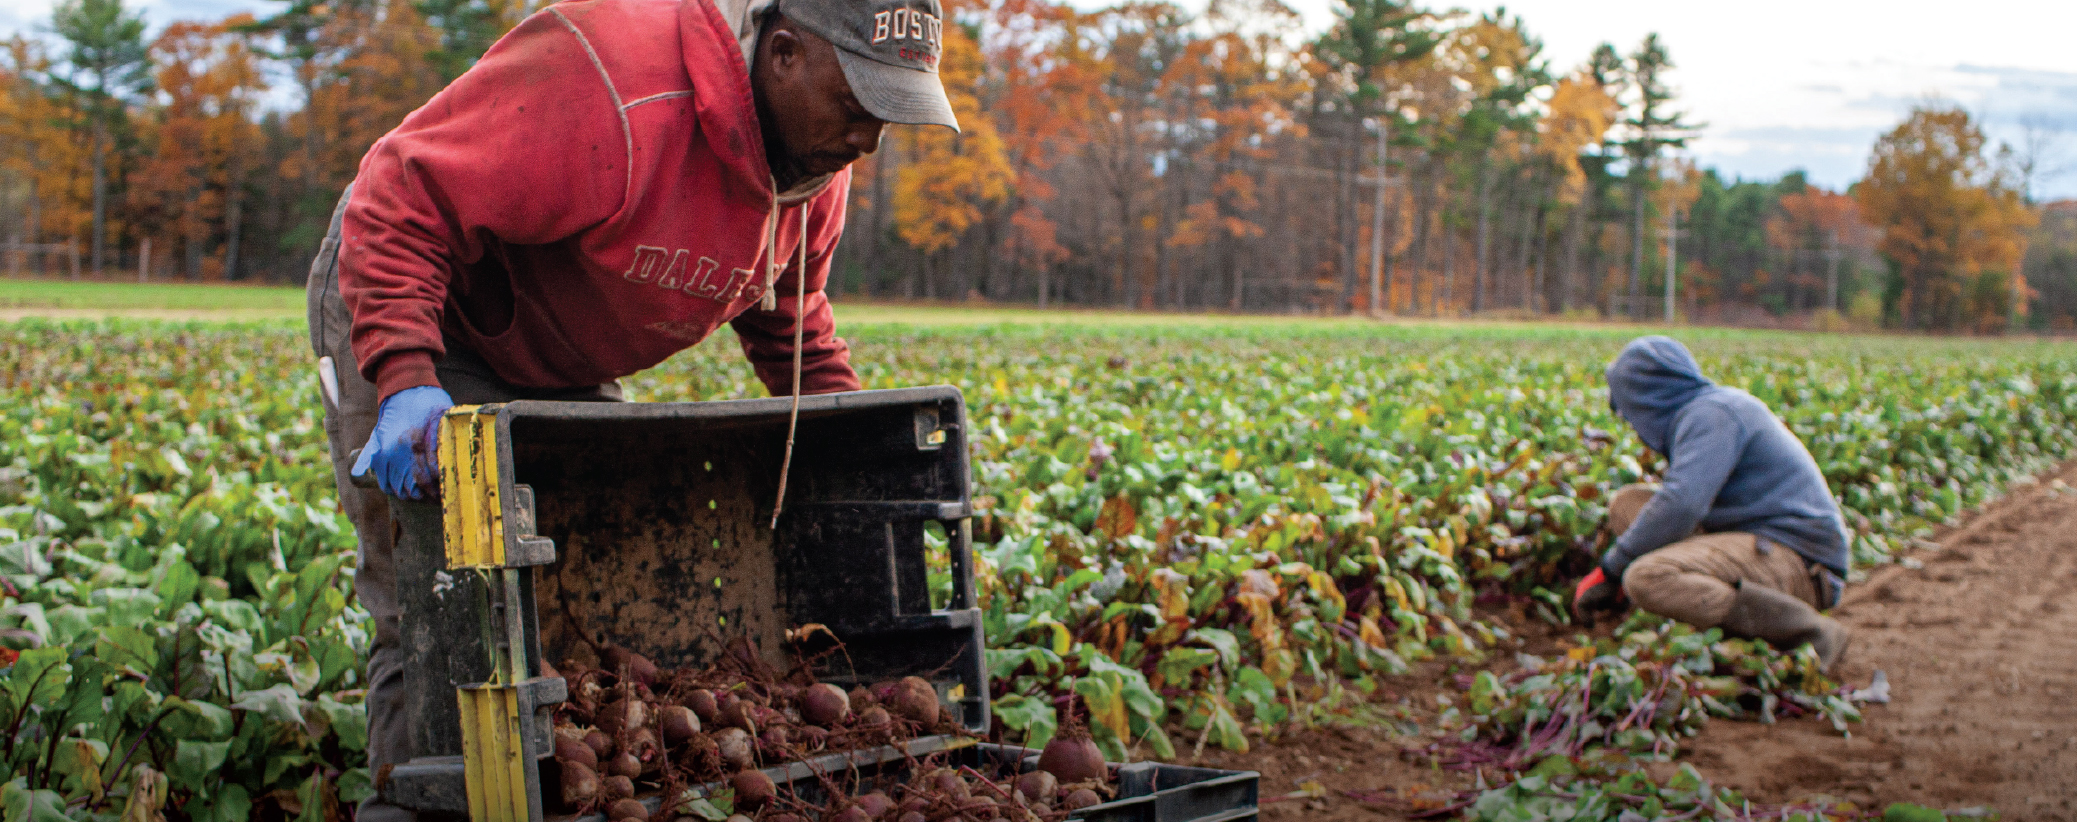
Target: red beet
[[678, 723], [875, 804], [851, 814], [616, 787], [1072, 759], [703, 705], [626, 809], [913, 816], [627, 713], [736, 748], [623, 661], [601, 745], [753, 789], [825, 704], [914, 699], [580, 783], [874, 717], [624, 764], [1081, 798], [739, 714], [861, 698], [1038, 786], [571, 752]]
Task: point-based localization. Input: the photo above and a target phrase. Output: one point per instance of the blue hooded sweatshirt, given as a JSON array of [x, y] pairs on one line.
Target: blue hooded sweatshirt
[[1731, 464]]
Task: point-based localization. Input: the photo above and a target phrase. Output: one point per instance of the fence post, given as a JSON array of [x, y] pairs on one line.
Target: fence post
[[144, 260], [72, 245], [15, 252]]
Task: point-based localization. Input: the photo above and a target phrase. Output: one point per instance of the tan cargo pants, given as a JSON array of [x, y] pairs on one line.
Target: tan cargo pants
[[1693, 580], [350, 409]]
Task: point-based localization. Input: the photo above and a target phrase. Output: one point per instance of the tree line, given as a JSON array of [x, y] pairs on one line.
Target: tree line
[[1405, 161]]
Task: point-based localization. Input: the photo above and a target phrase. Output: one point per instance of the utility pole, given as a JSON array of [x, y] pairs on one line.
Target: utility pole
[[1377, 226], [1832, 271], [1672, 258], [144, 260]]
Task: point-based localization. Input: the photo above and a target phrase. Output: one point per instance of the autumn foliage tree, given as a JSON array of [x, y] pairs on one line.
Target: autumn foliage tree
[[1953, 223]]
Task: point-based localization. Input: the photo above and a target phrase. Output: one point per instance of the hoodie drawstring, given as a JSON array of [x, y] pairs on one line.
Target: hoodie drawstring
[[800, 299]]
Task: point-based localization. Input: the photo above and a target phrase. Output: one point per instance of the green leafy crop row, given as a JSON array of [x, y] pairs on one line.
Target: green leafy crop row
[[1190, 530]]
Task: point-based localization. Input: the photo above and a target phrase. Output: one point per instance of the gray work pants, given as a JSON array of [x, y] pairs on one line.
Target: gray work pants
[[349, 419]]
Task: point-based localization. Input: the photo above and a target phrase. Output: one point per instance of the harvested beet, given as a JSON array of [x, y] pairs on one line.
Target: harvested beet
[[784, 817], [626, 809], [913, 816], [702, 703], [624, 764], [914, 699], [620, 661], [572, 752], [874, 717], [616, 787], [678, 724], [775, 739], [1038, 786], [753, 789], [862, 697], [626, 713], [580, 783], [875, 804], [812, 737], [739, 714], [642, 742], [1081, 798], [949, 784], [825, 704], [851, 814], [737, 751], [1072, 757], [601, 745]]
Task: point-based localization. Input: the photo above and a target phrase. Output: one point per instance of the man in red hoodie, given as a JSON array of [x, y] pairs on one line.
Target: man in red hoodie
[[609, 184]]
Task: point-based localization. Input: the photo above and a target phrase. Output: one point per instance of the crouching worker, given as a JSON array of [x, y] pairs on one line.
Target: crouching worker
[[1741, 533]]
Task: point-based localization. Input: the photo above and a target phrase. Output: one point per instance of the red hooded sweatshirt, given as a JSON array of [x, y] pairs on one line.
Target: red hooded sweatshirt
[[589, 199]]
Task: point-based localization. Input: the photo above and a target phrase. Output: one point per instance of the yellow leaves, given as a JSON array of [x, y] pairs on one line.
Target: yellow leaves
[[1368, 632], [945, 179], [1580, 115]]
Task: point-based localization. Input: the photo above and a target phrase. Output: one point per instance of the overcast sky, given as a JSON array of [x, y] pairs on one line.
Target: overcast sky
[[1780, 84]]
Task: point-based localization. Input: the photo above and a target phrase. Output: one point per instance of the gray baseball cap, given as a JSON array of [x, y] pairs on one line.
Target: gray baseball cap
[[889, 51]]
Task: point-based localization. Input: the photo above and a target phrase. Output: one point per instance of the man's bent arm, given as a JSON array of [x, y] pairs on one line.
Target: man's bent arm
[[1705, 449], [492, 156]]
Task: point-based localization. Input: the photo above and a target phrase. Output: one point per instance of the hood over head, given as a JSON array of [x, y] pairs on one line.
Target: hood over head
[[746, 17], [1649, 382]]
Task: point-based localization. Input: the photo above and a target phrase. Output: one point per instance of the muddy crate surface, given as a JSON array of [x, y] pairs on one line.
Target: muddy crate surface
[[649, 526]]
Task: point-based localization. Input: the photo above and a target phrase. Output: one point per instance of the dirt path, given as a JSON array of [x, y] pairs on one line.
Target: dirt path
[[1979, 644]]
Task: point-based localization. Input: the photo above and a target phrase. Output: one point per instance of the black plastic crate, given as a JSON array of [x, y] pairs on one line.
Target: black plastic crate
[[1147, 791], [648, 524]]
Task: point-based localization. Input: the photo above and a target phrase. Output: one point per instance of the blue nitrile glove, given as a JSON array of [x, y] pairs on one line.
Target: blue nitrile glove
[[404, 449]]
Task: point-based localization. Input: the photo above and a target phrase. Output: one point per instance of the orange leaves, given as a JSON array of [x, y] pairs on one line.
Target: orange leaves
[[1118, 518], [1581, 113], [1949, 218], [947, 179]]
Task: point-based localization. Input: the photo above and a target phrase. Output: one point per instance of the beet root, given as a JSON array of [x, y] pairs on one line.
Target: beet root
[[850, 814], [624, 764], [703, 705], [875, 804], [737, 750], [626, 809], [1081, 798], [678, 724], [601, 745], [1038, 786], [580, 783], [572, 752], [627, 713], [622, 661], [1072, 759], [914, 699], [874, 717], [616, 787], [753, 789], [825, 705]]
